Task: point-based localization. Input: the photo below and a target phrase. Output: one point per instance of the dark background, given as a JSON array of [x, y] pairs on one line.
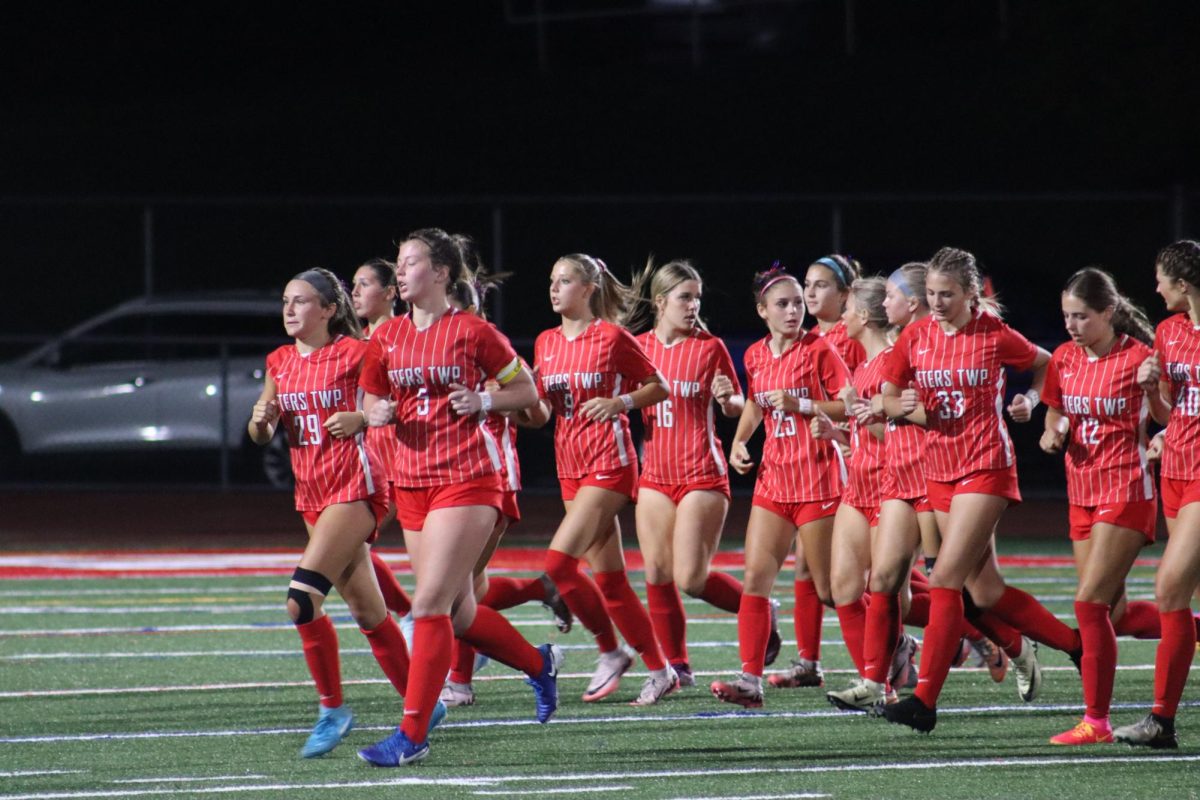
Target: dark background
[[181, 146]]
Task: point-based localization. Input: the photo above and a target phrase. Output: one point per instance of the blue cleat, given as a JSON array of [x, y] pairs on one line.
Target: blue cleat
[[406, 629], [435, 719], [332, 726], [394, 751], [545, 685], [481, 662]]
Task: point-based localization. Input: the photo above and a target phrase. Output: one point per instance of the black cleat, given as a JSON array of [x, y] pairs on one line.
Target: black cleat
[[1154, 731], [774, 641], [912, 712], [558, 607]]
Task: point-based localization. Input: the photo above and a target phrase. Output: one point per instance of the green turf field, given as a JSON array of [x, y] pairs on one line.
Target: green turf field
[[212, 698]]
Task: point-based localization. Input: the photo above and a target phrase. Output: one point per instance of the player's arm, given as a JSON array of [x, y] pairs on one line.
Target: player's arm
[[1158, 391], [729, 398], [652, 390], [378, 410], [1022, 405], [739, 454], [516, 392], [264, 417]]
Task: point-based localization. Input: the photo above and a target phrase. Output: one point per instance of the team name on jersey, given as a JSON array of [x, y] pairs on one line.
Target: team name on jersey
[[1083, 405], [422, 376], [563, 381], [304, 401], [762, 398], [1179, 372], [941, 378], [685, 388]]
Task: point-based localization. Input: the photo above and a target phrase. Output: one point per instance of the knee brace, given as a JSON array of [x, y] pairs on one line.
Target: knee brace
[[305, 583]]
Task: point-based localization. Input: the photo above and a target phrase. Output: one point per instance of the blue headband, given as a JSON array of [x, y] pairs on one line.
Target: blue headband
[[838, 270], [901, 283]]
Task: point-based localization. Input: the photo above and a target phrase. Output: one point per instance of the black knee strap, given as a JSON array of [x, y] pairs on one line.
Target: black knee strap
[[318, 582], [313, 583]]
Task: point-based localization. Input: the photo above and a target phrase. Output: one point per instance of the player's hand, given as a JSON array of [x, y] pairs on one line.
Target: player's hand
[[345, 423], [822, 426], [1154, 450], [382, 413], [1149, 373], [465, 402], [739, 458], [910, 399], [1020, 409], [781, 400], [602, 409], [864, 412], [722, 388], [265, 413], [1054, 439]]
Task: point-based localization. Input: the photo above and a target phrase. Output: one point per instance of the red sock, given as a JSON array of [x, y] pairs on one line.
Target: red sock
[[723, 591], [754, 627], [918, 611], [462, 662], [1006, 637], [495, 637], [432, 637], [807, 619], [394, 596], [630, 616], [1027, 615], [918, 581], [1099, 663], [853, 617], [321, 654], [1140, 621], [880, 633], [1173, 660], [942, 636], [582, 597], [670, 624], [505, 593], [389, 649]]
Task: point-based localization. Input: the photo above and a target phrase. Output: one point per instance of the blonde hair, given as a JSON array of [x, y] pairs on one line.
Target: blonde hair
[[961, 266], [868, 296], [612, 301], [652, 283]]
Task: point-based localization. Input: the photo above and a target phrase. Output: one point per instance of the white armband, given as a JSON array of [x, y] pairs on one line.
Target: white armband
[[806, 406], [627, 399], [1034, 397], [485, 402]]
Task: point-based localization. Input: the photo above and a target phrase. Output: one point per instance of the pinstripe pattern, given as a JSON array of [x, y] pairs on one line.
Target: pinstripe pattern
[[680, 444], [311, 388], [867, 459], [383, 445], [903, 445], [851, 350], [1177, 342]]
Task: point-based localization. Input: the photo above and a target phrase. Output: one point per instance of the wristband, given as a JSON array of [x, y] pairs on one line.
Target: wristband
[[627, 399], [485, 402], [1034, 397], [806, 406]]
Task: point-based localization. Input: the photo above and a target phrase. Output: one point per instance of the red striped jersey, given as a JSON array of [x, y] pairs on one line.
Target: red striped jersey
[[1106, 454], [383, 444], [851, 350], [312, 387], [602, 361], [505, 433], [1177, 342], [795, 467], [903, 443], [416, 368], [960, 375], [867, 456], [681, 444]]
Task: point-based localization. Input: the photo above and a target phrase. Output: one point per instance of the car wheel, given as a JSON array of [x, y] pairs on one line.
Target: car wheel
[[277, 462]]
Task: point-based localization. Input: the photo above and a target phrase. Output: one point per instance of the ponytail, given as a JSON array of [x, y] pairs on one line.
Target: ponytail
[[612, 301], [1098, 291]]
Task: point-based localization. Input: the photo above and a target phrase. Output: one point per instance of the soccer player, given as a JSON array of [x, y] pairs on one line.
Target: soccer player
[[792, 374], [683, 494], [311, 387], [425, 372], [1097, 410], [951, 363], [591, 373], [826, 290], [1176, 404]]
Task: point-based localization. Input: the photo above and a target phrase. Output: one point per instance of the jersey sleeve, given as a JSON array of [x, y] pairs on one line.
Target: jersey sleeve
[[1158, 343], [373, 375], [725, 364], [1052, 389], [629, 359], [1015, 350], [536, 370], [896, 369], [273, 359], [831, 370], [495, 355]]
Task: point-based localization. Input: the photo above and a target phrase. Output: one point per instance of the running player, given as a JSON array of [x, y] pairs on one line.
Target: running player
[[1097, 411], [792, 375], [591, 374], [425, 371], [952, 364], [684, 495], [311, 387], [1176, 403]]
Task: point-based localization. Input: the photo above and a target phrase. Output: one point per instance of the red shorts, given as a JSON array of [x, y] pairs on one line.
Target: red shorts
[[413, 505], [920, 504], [509, 507], [1137, 515], [379, 508], [800, 514], [1177, 493], [678, 491], [622, 480], [998, 482], [870, 512]]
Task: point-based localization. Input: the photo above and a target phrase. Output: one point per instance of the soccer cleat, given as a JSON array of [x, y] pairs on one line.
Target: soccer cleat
[[481, 662], [607, 677], [903, 672], [911, 712], [774, 640], [862, 695], [991, 657], [1150, 732], [802, 673], [394, 751], [684, 671], [545, 685], [964, 652], [655, 689], [558, 607], [1083, 733], [1027, 670], [435, 719], [458, 694], [745, 690], [332, 726]]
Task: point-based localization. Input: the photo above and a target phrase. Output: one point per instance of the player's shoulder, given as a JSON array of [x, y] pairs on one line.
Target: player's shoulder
[[1065, 353]]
